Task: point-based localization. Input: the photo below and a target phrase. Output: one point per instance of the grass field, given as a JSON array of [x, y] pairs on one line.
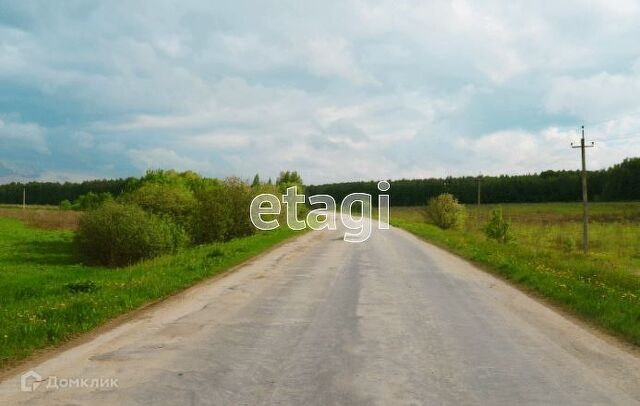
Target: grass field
[[545, 256], [47, 297]]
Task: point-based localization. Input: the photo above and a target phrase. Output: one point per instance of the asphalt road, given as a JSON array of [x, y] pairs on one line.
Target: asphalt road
[[393, 321]]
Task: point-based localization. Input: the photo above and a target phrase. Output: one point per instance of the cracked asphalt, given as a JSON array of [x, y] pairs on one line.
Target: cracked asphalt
[[318, 321]]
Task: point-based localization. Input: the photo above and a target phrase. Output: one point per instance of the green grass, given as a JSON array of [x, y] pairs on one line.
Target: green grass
[[545, 257], [47, 297]]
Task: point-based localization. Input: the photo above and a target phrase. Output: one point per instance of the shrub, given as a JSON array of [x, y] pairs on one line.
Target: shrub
[[173, 201], [222, 212], [240, 195], [91, 201], [498, 227], [119, 234], [445, 211], [211, 218], [65, 205]]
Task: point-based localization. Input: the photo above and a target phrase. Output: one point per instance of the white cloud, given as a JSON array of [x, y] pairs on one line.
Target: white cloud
[[162, 158], [83, 139], [502, 151], [218, 141], [332, 56], [15, 134], [594, 97], [66, 176], [362, 89], [519, 151]]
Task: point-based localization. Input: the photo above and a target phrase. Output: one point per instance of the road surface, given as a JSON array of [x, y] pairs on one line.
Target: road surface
[[393, 321]]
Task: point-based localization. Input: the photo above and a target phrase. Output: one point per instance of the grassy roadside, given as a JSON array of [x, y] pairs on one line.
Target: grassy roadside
[[47, 298], [594, 289]]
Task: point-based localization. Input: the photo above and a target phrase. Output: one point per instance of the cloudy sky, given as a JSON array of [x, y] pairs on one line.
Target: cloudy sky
[[339, 90]]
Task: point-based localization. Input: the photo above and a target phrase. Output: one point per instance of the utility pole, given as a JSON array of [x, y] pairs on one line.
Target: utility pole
[[479, 180], [24, 198], [585, 204]]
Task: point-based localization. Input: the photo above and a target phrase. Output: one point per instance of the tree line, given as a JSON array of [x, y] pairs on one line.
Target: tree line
[[52, 193], [618, 183]]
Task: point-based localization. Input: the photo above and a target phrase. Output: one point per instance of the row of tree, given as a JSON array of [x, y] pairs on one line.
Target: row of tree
[[84, 195], [52, 193], [618, 183]]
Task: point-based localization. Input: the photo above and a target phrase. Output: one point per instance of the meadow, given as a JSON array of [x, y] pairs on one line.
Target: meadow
[[47, 296], [545, 256], [46, 217]]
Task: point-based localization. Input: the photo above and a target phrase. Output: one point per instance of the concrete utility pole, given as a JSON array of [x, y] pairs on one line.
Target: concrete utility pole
[[24, 197], [585, 204]]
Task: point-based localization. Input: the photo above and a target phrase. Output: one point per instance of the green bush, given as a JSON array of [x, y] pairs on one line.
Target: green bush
[[498, 227], [211, 219], [91, 201], [240, 195], [119, 234], [65, 205], [222, 212], [445, 211], [173, 201]]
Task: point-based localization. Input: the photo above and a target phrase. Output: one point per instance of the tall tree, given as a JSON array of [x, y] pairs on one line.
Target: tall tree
[[256, 181]]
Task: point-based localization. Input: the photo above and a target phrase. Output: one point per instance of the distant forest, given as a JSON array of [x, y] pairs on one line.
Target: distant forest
[[618, 183], [52, 193]]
